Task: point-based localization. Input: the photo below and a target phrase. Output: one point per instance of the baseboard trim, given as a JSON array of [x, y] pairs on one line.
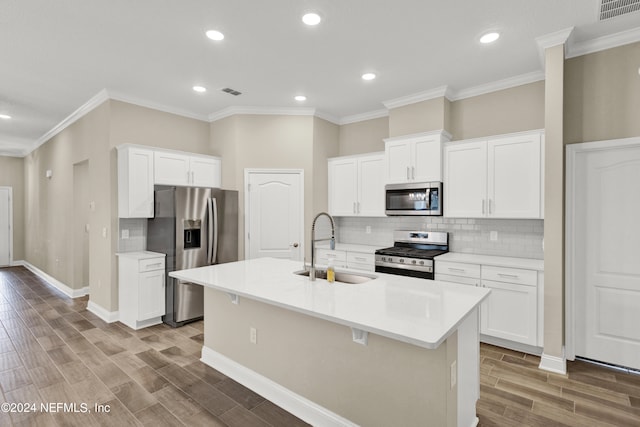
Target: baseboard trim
[[55, 283], [107, 316], [299, 406], [554, 363]]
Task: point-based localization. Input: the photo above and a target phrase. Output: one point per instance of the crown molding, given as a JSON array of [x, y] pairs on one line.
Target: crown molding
[[266, 111], [603, 43], [363, 117], [439, 92], [553, 39], [328, 117], [507, 83], [118, 96]]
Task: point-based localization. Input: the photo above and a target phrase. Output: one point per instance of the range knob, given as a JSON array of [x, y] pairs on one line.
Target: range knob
[[421, 262], [413, 261], [383, 259], [401, 261]]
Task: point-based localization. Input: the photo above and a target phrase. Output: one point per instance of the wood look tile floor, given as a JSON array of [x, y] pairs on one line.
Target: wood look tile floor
[[52, 350]]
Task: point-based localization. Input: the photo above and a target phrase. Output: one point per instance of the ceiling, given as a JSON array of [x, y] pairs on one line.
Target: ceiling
[[57, 55]]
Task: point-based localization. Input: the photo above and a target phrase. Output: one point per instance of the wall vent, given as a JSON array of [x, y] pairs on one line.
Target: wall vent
[[235, 92], [612, 8]]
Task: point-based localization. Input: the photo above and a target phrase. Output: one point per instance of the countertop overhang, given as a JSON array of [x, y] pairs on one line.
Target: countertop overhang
[[415, 311]]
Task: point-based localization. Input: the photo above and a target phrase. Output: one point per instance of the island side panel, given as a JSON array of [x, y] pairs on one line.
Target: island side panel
[[384, 383]]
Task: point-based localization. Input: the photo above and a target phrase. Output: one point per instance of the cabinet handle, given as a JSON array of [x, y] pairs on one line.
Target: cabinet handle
[[358, 207], [482, 206], [359, 258], [413, 173], [408, 173], [462, 270], [489, 206], [513, 276], [354, 207]]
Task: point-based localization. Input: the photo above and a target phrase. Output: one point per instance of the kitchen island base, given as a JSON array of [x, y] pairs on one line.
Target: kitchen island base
[[313, 368]]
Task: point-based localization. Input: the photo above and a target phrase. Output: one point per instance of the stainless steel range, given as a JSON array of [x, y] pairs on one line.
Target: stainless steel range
[[412, 253]]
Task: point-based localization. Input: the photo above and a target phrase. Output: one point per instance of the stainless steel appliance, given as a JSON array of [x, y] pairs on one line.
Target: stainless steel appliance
[[194, 227], [424, 198], [412, 253]]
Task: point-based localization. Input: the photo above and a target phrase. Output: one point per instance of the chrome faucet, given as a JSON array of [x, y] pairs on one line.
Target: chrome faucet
[[332, 242]]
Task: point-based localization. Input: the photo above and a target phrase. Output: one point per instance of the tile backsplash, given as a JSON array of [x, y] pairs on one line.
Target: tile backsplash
[[522, 238], [137, 240]]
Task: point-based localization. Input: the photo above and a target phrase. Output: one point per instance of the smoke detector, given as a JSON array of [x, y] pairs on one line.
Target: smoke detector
[[613, 8], [231, 91]]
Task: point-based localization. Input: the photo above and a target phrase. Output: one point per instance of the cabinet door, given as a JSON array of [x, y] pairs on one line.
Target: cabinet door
[[510, 312], [427, 160], [398, 158], [151, 294], [514, 177], [171, 169], [343, 187], [205, 172], [370, 186], [135, 183], [465, 180]]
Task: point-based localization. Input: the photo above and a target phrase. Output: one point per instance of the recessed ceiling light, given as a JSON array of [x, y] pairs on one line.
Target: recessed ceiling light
[[200, 89], [215, 35], [311, 18], [368, 76], [300, 98], [489, 37], [4, 116]]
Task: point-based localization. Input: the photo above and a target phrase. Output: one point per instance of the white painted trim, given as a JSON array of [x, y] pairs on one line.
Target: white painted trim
[[55, 283], [503, 84], [84, 109], [247, 206], [275, 111], [107, 316], [554, 363], [439, 92], [602, 43], [10, 207], [299, 406], [444, 135], [377, 114], [569, 257], [551, 40], [116, 96], [328, 117]]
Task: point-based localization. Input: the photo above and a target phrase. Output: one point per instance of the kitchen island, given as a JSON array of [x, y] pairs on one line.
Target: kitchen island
[[391, 351]]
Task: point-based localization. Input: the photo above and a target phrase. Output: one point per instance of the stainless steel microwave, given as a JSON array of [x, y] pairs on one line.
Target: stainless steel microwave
[[416, 198]]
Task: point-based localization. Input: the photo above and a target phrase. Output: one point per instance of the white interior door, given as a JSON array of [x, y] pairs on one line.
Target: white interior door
[[5, 226], [606, 277], [274, 211]]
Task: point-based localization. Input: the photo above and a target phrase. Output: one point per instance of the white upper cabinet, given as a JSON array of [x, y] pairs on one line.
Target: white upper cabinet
[[174, 168], [356, 185], [135, 182], [499, 177], [414, 158]]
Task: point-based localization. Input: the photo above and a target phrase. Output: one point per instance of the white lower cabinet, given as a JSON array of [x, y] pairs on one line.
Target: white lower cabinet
[[512, 310], [346, 259], [141, 284], [338, 258]]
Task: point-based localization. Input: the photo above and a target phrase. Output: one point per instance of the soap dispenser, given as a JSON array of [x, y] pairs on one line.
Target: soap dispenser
[[331, 273]]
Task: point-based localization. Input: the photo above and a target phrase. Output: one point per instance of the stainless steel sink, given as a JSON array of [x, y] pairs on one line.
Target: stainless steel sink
[[341, 276]]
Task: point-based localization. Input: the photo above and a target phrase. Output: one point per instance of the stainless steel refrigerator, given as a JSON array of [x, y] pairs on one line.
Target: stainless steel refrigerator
[[194, 227]]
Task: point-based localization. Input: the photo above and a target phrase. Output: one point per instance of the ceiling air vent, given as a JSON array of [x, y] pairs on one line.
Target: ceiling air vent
[[612, 8], [231, 91]]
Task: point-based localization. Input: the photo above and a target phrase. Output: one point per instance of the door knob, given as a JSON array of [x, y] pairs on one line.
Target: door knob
[[295, 245]]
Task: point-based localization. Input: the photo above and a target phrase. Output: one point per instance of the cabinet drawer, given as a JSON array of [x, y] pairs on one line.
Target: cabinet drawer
[[472, 281], [510, 275], [151, 264], [360, 258], [361, 266], [457, 269], [334, 255]]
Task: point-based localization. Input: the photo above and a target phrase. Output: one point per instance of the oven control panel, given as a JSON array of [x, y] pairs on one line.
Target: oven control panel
[[405, 262]]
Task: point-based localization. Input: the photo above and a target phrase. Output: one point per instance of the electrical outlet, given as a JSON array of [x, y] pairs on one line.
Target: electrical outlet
[[367, 229], [253, 335], [104, 232], [454, 374], [493, 236]]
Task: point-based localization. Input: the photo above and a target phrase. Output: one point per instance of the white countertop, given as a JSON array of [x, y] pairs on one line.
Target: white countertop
[[349, 247], [416, 311], [497, 261], [140, 255]]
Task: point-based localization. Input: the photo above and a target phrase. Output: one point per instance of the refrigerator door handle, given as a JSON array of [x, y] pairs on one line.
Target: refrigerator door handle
[[212, 247]]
